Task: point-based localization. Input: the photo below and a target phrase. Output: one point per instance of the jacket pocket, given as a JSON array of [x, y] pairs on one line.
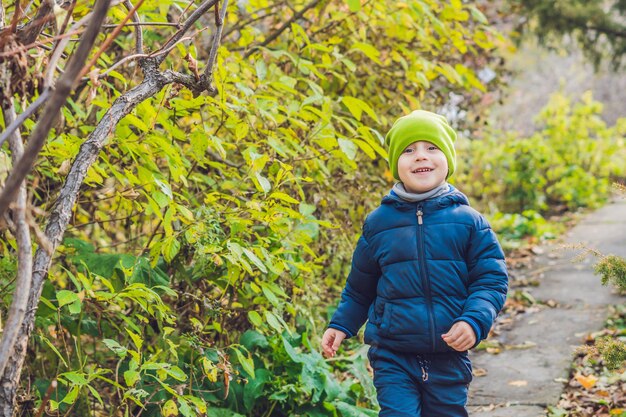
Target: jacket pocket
[[385, 323], [465, 365]]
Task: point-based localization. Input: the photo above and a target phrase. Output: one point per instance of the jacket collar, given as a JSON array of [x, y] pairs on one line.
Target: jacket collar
[[450, 198]]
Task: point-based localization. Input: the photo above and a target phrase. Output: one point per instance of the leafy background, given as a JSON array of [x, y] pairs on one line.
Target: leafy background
[[214, 233]]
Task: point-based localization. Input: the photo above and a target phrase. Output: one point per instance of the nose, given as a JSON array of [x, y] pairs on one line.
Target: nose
[[420, 154]]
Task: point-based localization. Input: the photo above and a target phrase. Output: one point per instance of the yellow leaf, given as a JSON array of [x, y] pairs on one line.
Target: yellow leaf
[[586, 381], [169, 409], [518, 383], [617, 411]]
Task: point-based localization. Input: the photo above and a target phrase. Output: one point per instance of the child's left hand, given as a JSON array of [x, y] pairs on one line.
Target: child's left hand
[[460, 337]]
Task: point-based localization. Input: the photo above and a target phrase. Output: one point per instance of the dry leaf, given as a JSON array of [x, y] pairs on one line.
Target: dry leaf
[[586, 381], [519, 383], [479, 372]]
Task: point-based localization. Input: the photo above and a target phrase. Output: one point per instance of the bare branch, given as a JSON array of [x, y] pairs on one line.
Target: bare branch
[[60, 47], [188, 23], [18, 121], [207, 76], [152, 55], [17, 311], [145, 24], [53, 106], [38, 44], [110, 39], [31, 31], [138, 30], [284, 27]]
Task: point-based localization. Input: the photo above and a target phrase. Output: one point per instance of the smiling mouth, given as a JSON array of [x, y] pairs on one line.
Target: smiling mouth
[[420, 170]]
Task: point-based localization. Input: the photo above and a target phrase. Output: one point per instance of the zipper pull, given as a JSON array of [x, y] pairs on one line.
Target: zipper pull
[[419, 216]]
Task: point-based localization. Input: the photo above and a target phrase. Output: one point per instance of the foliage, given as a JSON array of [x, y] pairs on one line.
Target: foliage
[[612, 270], [591, 23], [568, 164], [209, 229]]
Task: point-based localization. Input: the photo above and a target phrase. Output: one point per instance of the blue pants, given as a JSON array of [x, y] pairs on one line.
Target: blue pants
[[425, 385]]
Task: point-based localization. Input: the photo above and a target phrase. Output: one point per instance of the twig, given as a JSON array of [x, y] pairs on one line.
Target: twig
[[138, 30], [281, 29], [110, 39], [207, 76], [31, 45], [58, 51], [152, 55], [53, 106], [46, 398], [17, 122], [31, 31], [188, 23], [144, 24], [19, 304]]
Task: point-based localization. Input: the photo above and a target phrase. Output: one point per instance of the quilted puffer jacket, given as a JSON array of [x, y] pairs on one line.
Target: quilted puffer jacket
[[417, 269]]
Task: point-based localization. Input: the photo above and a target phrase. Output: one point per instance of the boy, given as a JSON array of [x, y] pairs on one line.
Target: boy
[[428, 274]]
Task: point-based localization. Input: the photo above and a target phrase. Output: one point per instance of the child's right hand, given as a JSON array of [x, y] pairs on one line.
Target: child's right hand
[[331, 340]]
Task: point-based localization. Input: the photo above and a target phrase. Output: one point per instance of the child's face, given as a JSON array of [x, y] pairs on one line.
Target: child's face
[[422, 166]]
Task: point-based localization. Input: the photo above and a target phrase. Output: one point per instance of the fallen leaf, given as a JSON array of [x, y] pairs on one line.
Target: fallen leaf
[[479, 372], [586, 381], [518, 383]]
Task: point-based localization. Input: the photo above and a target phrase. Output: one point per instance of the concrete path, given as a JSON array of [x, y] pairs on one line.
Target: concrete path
[[522, 382]]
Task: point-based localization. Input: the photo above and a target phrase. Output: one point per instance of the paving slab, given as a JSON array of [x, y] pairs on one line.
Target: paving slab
[[528, 376]]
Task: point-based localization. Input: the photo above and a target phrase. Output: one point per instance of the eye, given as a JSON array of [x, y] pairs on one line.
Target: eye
[[433, 148], [408, 150]]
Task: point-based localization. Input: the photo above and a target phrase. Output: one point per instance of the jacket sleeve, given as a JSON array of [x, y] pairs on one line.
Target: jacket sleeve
[[359, 292], [488, 280]]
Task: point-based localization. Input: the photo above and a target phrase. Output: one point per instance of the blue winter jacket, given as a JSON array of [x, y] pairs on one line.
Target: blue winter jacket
[[417, 269]]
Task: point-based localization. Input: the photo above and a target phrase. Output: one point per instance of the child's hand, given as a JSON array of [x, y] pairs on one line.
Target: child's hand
[[331, 340], [460, 337]]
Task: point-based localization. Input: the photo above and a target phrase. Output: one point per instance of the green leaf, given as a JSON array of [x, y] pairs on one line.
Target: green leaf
[[273, 321], [115, 347], [255, 318], [137, 340], [65, 297], [71, 396], [251, 339], [246, 362], [354, 5], [284, 197], [51, 346], [348, 147], [261, 69], [131, 377], [255, 260], [369, 51], [262, 183], [74, 377], [170, 248], [357, 107]]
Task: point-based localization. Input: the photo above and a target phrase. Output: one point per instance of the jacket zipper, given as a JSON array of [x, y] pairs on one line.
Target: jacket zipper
[[425, 277]]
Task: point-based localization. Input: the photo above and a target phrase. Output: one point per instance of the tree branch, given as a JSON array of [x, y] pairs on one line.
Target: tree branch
[[17, 311], [31, 31], [207, 76], [138, 30], [60, 47], [188, 23], [284, 27], [109, 39], [53, 107], [18, 121]]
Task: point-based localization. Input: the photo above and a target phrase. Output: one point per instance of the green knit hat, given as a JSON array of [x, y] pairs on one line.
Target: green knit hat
[[416, 126]]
